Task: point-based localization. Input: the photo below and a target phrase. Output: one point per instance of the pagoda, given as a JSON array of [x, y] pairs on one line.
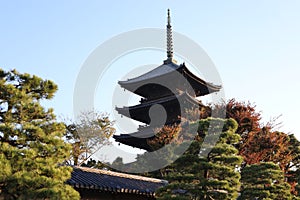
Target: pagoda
[[170, 88]]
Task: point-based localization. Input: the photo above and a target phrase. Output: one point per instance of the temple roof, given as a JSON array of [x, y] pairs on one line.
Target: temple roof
[[104, 180], [159, 71], [170, 75], [137, 139]]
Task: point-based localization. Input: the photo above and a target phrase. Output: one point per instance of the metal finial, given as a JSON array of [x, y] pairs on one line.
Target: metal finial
[[169, 38], [169, 18]]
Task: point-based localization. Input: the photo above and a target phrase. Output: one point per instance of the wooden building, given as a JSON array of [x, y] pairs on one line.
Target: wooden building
[[174, 87]]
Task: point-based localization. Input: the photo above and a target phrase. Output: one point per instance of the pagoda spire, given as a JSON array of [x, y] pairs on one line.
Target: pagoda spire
[[169, 38]]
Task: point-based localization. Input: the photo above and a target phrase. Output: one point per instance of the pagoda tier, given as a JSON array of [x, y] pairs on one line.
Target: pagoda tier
[[137, 139], [173, 105], [166, 79], [140, 138]]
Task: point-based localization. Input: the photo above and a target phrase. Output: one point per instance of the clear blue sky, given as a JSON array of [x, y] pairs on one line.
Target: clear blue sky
[[255, 45]]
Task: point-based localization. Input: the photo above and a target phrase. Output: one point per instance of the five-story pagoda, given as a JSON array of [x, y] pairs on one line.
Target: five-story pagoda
[[166, 91]]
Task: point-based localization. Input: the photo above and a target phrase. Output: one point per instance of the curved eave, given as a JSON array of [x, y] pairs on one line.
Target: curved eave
[[132, 141], [137, 139], [190, 99], [199, 83]]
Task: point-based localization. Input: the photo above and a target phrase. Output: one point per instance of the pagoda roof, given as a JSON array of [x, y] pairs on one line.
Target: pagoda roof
[[129, 140], [140, 112], [165, 74], [137, 139], [161, 70]]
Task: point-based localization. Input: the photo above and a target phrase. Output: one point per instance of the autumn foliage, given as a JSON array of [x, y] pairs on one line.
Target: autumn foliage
[[266, 146], [259, 142]]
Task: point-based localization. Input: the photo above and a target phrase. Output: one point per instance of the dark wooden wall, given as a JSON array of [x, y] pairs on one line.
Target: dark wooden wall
[[86, 194]]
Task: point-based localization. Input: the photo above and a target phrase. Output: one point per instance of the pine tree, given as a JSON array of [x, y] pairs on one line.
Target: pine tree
[[264, 181], [292, 168], [213, 176], [31, 146]]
